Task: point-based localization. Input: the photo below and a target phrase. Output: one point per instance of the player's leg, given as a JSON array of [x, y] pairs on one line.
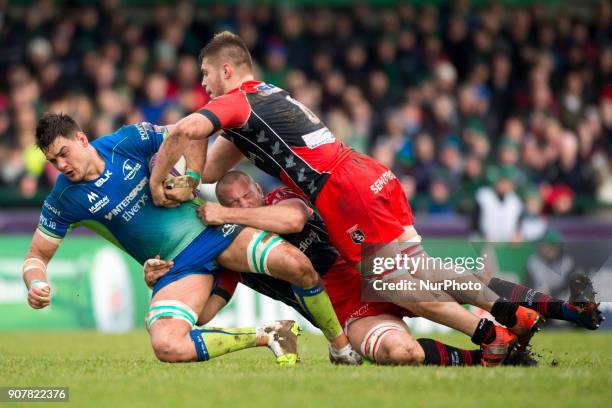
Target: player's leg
[[520, 320], [373, 213], [584, 314], [367, 217], [172, 318], [496, 342], [385, 339], [282, 334], [265, 253]]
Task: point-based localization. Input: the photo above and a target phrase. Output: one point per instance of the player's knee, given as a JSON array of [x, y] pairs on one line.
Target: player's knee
[[163, 348], [169, 350], [400, 348], [169, 323], [308, 276], [406, 353], [389, 343], [301, 270]]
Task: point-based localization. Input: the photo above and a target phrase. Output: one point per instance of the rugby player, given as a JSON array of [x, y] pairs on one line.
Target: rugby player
[[375, 328], [361, 201], [104, 186]]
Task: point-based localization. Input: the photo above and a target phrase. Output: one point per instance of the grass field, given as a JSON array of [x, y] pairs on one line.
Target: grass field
[[105, 370]]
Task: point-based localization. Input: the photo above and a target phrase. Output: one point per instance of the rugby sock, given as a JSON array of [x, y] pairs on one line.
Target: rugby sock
[[316, 303], [504, 312], [542, 303], [441, 354], [211, 342], [484, 333]]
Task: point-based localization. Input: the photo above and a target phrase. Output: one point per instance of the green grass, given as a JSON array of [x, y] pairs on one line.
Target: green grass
[[113, 371]]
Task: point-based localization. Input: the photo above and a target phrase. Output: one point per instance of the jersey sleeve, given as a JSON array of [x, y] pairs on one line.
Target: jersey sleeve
[[283, 193], [142, 140], [54, 222], [228, 111], [227, 282]]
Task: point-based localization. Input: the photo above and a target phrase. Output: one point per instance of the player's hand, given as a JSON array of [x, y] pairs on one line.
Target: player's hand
[[155, 268], [212, 214], [180, 189], [39, 296], [159, 196]]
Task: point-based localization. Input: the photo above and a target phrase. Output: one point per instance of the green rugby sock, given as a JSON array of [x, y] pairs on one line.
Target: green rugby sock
[[316, 302], [211, 342]]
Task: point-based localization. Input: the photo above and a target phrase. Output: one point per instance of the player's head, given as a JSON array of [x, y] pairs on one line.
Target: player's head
[[64, 144], [225, 62], [238, 190]]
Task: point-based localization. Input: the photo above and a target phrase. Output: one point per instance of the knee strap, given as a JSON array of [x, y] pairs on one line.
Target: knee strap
[[173, 309], [373, 339], [259, 249]]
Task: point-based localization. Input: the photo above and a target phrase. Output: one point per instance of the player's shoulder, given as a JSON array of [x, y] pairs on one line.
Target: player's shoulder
[[281, 194], [61, 193], [259, 87], [111, 140], [62, 185], [128, 138], [142, 129], [249, 86]]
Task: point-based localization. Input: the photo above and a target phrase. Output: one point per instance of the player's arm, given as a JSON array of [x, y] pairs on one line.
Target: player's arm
[[226, 111], [222, 157], [287, 217], [34, 269], [181, 188], [192, 127], [195, 157]]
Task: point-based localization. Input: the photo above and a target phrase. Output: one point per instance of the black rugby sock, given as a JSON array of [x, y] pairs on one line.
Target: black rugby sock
[[504, 312], [484, 333], [441, 354], [542, 303]]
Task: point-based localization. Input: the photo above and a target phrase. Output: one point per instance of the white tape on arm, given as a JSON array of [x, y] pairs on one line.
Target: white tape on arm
[[39, 264], [34, 263], [152, 262], [39, 284]]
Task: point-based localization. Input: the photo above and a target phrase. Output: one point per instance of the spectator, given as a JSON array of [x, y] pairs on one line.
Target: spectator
[[155, 103], [533, 224], [436, 94], [550, 268], [499, 208]]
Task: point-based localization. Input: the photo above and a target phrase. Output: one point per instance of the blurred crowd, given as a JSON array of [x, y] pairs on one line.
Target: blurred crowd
[[476, 109]]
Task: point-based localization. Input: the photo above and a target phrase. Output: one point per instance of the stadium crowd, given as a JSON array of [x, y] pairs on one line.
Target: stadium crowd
[[464, 103]]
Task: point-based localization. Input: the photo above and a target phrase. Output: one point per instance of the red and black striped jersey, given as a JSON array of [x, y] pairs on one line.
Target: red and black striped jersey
[[278, 134], [313, 240]]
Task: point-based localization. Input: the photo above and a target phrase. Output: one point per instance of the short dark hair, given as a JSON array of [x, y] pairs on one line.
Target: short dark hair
[[231, 46], [52, 125]]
